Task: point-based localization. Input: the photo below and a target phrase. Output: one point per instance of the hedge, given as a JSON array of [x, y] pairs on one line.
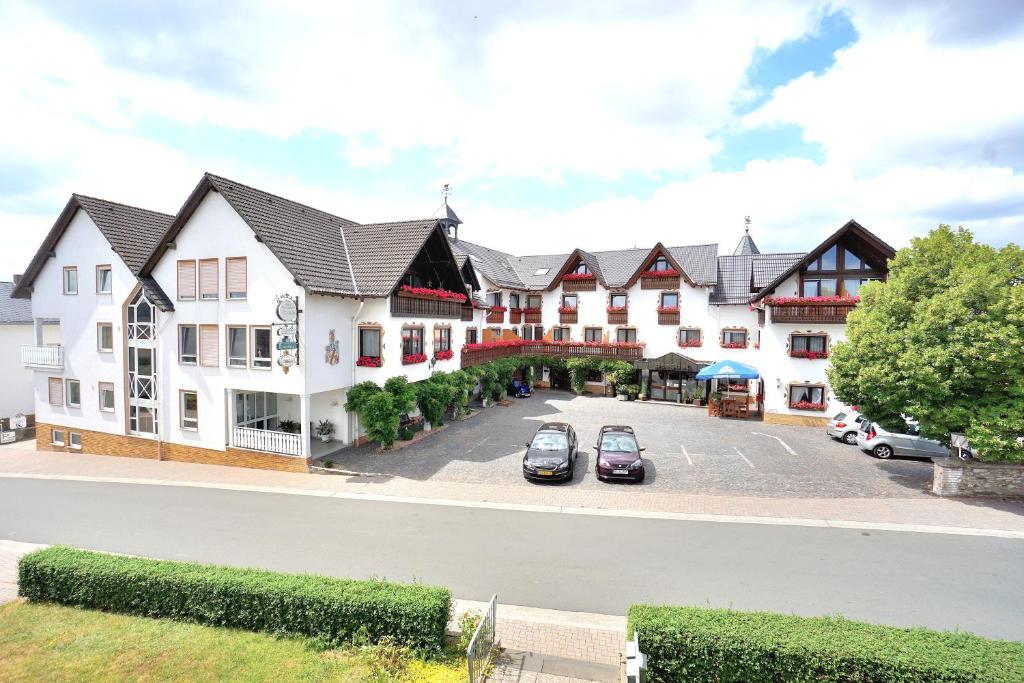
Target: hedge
[[725, 646], [331, 610]]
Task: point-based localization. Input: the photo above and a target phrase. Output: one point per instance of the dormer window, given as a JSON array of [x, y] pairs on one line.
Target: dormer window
[[581, 269], [542, 271], [839, 271], [660, 264]]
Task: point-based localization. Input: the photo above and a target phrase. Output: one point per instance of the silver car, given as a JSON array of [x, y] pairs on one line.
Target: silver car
[[882, 443], [844, 426]]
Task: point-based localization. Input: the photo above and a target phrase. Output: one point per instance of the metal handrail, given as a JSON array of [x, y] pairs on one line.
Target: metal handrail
[[478, 654]]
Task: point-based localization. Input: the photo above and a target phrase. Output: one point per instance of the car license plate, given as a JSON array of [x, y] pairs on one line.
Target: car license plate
[[620, 471], [544, 473]]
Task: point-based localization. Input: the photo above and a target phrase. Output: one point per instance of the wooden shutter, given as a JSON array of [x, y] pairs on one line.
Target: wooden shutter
[[186, 280], [56, 386], [209, 346], [208, 270], [236, 270]]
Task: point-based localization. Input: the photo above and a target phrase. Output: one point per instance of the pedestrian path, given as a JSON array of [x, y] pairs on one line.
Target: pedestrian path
[[10, 553]]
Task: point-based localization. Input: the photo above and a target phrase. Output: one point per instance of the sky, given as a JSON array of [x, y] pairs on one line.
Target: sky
[[593, 124]]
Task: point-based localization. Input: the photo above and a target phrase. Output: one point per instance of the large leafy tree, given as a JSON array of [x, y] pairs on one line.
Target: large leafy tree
[[942, 340]]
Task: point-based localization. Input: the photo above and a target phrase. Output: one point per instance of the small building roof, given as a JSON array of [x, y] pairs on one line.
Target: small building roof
[[13, 311]]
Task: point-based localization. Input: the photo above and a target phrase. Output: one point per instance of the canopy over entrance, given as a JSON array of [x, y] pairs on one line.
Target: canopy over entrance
[[670, 362], [728, 369]]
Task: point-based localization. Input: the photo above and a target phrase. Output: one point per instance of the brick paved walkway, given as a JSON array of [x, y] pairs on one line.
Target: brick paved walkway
[[10, 553], [931, 511]]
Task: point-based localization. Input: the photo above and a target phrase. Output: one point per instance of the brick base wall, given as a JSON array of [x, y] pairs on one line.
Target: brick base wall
[[973, 478], [798, 420], [102, 443]]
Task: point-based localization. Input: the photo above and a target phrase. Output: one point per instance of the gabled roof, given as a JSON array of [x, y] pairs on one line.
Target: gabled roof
[[495, 265], [381, 253], [656, 251], [13, 311], [578, 255], [851, 227], [739, 277], [746, 247], [132, 232]]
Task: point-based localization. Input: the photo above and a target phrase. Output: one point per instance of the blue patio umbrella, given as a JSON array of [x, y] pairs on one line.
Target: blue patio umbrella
[[728, 369]]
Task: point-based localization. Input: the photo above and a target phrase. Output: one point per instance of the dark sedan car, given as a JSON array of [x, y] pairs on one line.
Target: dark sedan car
[[551, 456], [618, 454]]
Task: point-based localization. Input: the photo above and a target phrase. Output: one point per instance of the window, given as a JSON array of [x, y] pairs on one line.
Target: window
[[208, 270], [592, 334], [75, 441], [803, 343], [538, 332], [513, 301], [104, 280], [689, 336], [542, 271], [852, 285], [581, 268], [235, 278], [670, 299], [189, 409], [471, 335], [187, 344], [822, 287], [55, 391], [105, 337], [186, 280], [142, 420], [807, 396], [369, 342], [71, 279], [74, 393], [57, 437], [494, 298], [106, 390], [660, 264], [528, 332], [625, 335], [533, 301], [570, 301], [442, 339], [561, 334], [261, 347], [209, 351], [617, 301], [851, 261], [828, 259], [256, 410], [412, 341], [734, 337], [237, 344]]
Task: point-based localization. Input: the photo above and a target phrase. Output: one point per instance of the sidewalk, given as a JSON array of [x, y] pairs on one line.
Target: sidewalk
[[935, 515]]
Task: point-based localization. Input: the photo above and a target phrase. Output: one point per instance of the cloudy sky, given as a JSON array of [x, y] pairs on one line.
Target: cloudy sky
[[558, 124]]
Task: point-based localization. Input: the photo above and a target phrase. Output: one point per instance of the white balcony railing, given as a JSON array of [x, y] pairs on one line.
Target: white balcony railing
[[265, 440], [43, 357]]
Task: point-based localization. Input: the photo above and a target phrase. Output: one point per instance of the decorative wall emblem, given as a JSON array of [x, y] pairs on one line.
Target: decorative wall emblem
[[332, 353]]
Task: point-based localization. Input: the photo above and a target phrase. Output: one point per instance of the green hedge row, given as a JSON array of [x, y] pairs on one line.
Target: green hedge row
[[316, 606], [723, 646]]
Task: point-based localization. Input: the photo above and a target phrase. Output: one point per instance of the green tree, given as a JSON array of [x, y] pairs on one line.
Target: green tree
[[381, 418], [941, 341], [432, 397], [403, 393], [358, 395]]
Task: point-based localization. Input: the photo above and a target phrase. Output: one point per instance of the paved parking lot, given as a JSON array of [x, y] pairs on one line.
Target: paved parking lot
[[687, 452]]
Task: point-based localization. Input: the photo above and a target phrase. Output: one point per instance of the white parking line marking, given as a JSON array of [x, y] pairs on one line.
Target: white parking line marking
[[784, 444], [686, 454], [473, 448], [744, 458]]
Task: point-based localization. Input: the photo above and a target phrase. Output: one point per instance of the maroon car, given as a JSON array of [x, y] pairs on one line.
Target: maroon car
[[618, 454]]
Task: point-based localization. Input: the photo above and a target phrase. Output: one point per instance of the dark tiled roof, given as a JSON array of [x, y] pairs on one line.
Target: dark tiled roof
[[537, 271], [746, 247], [495, 265], [155, 293], [767, 267], [737, 275], [131, 231], [699, 262], [13, 311], [382, 252]]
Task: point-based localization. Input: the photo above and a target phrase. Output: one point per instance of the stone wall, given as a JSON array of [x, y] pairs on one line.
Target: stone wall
[[974, 478], [102, 443]]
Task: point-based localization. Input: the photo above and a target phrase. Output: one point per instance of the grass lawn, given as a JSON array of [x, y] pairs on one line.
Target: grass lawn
[[43, 642]]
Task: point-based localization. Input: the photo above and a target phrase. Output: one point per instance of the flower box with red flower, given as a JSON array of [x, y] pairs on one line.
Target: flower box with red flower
[[567, 309], [693, 343], [659, 279], [734, 345], [807, 405], [430, 293], [369, 361], [668, 309], [670, 272], [811, 309], [578, 276], [617, 309], [444, 355], [668, 315], [809, 355], [498, 309], [414, 358], [801, 300]]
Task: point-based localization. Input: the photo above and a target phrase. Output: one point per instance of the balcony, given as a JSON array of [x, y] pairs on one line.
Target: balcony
[[568, 316], [579, 284], [531, 316], [43, 357], [412, 306], [495, 316], [668, 317], [618, 317], [811, 312], [515, 316], [654, 282], [609, 351], [266, 440]]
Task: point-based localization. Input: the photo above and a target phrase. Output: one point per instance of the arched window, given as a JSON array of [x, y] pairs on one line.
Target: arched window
[[140, 318]]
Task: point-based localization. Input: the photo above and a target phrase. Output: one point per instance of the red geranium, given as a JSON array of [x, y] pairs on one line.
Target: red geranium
[[671, 272], [435, 293], [369, 361], [578, 276], [498, 343], [444, 355], [797, 300], [668, 309], [807, 405], [567, 309], [734, 345], [413, 358], [617, 309], [810, 355], [498, 309], [690, 344], [532, 310]]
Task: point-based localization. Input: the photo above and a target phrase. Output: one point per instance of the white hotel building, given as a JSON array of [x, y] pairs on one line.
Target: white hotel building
[[169, 337]]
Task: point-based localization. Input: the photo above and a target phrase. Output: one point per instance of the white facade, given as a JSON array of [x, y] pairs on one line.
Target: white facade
[[18, 390]]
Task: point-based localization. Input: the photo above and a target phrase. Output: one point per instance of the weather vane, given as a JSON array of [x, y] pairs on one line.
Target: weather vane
[[746, 220], [445, 191]]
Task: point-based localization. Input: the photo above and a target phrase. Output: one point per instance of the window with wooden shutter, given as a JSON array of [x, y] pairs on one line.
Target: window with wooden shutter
[[208, 270], [236, 270], [209, 346], [56, 386], [186, 280]]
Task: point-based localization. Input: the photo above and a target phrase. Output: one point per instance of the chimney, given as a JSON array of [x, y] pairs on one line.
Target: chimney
[[17, 279]]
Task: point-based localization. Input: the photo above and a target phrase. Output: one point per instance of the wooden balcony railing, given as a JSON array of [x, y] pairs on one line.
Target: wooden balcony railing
[[668, 318], [618, 317], [648, 282], [495, 317], [811, 313], [531, 317], [424, 307], [569, 317], [472, 357], [515, 316], [579, 285]]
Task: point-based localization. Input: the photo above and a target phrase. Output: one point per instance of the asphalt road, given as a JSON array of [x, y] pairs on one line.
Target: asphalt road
[[553, 560]]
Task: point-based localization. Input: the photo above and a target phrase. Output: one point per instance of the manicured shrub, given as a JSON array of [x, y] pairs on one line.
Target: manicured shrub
[[717, 645], [381, 418], [403, 393], [330, 610]]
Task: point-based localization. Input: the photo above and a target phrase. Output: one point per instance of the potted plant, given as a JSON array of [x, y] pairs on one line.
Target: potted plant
[[324, 430], [700, 394], [622, 392], [289, 426], [633, 390]]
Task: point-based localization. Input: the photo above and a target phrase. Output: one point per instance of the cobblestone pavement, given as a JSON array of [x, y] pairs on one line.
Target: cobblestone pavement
[[687, 452], [571, 642]]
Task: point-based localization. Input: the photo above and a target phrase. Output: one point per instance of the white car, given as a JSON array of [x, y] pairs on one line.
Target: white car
[[844, 426]]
